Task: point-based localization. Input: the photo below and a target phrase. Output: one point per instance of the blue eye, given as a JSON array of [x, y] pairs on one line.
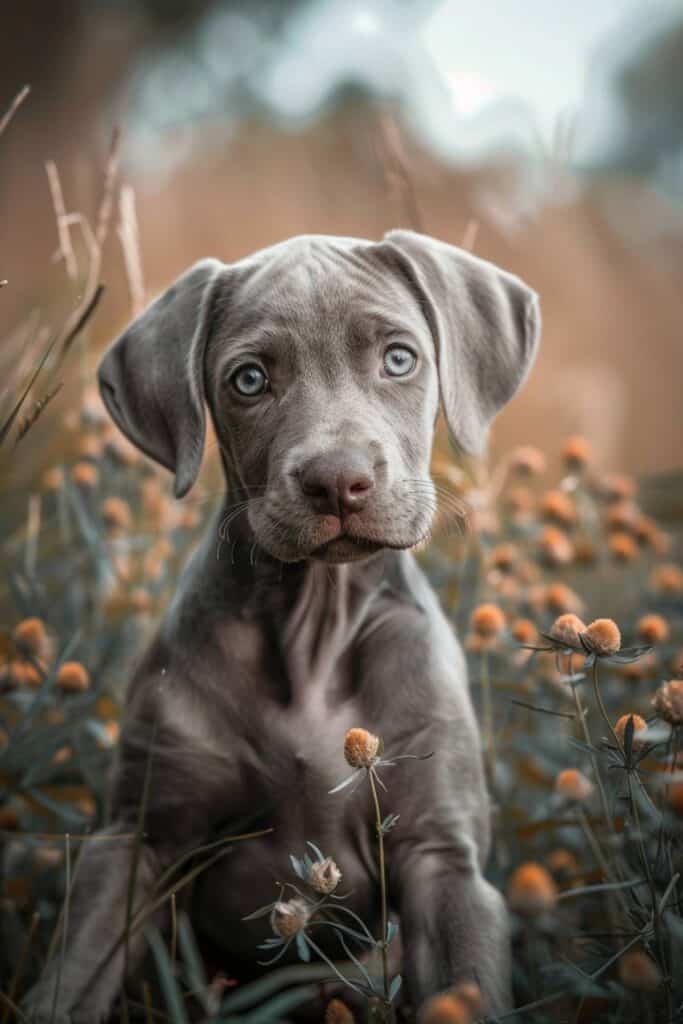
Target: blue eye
[[250, 380], [399, 361]]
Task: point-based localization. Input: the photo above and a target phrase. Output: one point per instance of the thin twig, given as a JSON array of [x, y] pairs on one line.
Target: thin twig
[[129, 237], [65, 250], [107, 201], [13, 107]]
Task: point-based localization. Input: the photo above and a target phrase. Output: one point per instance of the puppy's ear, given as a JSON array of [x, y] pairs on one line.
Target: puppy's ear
[[152, 377], [485, 323]]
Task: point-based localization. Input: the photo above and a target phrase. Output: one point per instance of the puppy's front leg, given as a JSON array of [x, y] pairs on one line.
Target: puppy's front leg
[[453, 926], [92, 971]]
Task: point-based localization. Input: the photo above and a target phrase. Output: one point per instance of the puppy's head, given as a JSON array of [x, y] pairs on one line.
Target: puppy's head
[[323, 361]]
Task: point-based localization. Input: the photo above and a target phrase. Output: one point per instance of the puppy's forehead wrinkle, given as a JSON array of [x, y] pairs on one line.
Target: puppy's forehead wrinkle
[[319, 287]]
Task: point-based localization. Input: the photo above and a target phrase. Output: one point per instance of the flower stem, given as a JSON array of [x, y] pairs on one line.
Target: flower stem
[[383, 886], [487, 716]]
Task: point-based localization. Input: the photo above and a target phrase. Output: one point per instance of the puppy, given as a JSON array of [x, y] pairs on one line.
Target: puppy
[[323, 362]]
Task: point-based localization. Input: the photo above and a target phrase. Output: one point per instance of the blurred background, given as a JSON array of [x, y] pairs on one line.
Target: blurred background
[[549, 138]]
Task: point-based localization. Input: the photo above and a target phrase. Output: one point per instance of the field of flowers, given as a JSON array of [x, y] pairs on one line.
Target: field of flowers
[[568, 597]]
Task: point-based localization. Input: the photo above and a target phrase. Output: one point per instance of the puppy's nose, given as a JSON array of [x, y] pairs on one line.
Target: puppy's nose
[[337, 482]]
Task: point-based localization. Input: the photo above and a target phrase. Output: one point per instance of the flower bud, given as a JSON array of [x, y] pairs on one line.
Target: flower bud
[[290, 917], [324, 876], [360, 748]]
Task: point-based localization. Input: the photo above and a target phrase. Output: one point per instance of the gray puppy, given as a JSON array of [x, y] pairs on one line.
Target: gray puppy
[[323, 362]]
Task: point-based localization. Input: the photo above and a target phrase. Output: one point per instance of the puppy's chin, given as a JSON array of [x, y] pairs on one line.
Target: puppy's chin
[[346, 549]]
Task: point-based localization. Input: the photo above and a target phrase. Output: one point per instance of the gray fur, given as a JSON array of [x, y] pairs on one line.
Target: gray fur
[[269, 653]]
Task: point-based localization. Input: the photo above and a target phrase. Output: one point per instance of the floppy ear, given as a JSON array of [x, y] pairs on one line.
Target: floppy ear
[[152, 379], [485, 323]]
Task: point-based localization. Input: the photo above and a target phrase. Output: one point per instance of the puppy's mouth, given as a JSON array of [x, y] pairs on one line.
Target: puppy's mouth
[[346, 548]]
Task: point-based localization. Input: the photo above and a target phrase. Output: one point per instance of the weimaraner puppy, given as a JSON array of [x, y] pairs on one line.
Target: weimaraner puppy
[[323, 362]]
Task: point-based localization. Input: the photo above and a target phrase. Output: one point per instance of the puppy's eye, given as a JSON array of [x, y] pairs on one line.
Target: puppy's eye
[[398, 361], [250, 380]]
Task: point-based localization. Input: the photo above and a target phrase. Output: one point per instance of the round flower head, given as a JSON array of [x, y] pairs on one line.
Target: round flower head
[[524, 631], [558, 506], [567, 629], [621, 516], [576, 452], [561, 598], [668, 702], [602, 637], [72, 677], [622, 546], [85, 475], [639, 972], [653, 629], [446, 1008], [487, 620], [563, 863], [116, 514], [667, 578], [556, 547], [617, 487], [639, 726], [289, 918], [31, 637], [337, 1012], [573, 785], [531, 889], [504, 556], [528, 461], [324, 876], [361, 748]]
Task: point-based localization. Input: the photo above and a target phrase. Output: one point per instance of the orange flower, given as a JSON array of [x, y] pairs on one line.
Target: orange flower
[[602, 637], [567, 629], [531, 889], [561, 598], [503, 557], [528, 461], [639, 972], [337, 1012], [667, 578], [31, 637], [668, 702], [447, 1008], [20, 673], [653, 629], [576, 452], [622, 546], [573, 785], [116, 514], [524, 631], [622, 516], [617, 487], [558, 506], [487, 620], [360, 748], [556, 547], [72, 677], [85, 475], [563, 863], [639, 726]]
